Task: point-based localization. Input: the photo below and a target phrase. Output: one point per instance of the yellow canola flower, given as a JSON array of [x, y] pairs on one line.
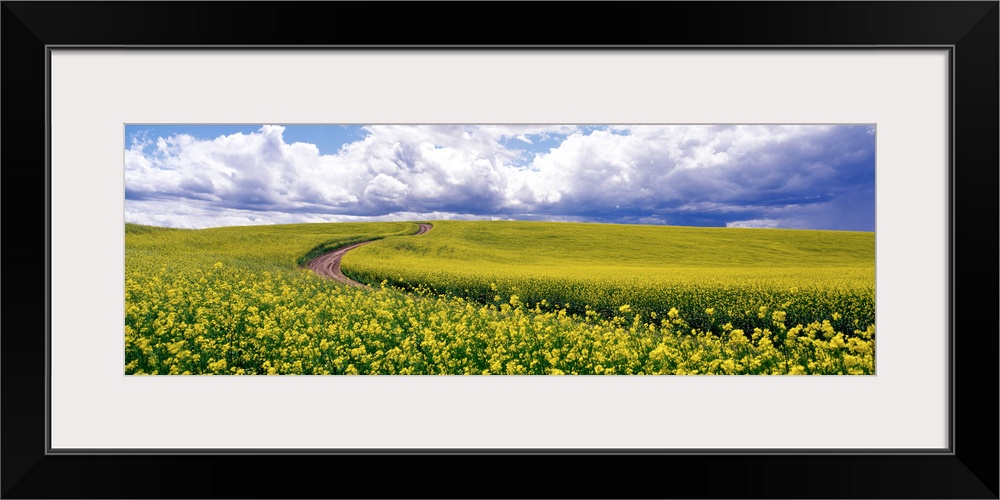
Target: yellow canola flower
[[181, 318]]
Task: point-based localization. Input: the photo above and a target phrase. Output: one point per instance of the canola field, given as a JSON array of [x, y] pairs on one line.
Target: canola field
[[500, 297]]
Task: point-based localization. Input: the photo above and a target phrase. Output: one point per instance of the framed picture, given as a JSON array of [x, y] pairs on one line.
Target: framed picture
[[917, 81]]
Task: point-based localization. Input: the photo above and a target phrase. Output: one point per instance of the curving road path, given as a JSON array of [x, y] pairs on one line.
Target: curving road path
[[328, 264]]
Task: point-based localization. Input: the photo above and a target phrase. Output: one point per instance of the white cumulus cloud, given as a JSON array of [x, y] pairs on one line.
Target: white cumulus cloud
[[661, 174]]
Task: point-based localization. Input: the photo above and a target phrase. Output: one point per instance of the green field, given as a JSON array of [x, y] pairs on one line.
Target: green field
[[500, 298], [651, 269]]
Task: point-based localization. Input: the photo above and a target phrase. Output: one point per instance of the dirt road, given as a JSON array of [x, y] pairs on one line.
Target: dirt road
[[328, 264]]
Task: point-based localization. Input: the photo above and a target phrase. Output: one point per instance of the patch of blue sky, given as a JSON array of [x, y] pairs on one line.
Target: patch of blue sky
[[328, 138], [545, 143], [539, 145], [152, 132]]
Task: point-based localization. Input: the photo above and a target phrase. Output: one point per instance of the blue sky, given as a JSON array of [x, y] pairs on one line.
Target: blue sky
[[328, 138], [794, 176]]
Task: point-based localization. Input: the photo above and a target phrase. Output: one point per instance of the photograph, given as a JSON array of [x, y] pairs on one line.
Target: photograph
[[637, 190], [499, 249]]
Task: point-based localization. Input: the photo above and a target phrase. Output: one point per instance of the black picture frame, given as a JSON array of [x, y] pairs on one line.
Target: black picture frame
[[968, 470]]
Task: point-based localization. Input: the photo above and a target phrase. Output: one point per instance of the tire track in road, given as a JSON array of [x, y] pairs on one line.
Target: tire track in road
[[328, 264]]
